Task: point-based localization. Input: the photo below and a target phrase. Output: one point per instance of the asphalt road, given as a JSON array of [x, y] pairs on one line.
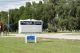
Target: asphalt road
[[50, 35]]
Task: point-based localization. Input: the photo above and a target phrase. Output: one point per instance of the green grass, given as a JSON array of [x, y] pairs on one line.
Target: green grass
[[17, 45]]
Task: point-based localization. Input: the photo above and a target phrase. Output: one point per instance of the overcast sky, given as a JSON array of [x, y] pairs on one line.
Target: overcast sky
[[5, 5]]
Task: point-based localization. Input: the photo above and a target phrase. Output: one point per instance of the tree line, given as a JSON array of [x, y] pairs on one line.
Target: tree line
[[57, 15]]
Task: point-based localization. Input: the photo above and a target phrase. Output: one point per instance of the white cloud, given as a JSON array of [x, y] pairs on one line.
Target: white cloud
[[5, 5]]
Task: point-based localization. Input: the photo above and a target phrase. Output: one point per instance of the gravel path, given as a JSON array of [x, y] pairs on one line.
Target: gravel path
[[52, 35]]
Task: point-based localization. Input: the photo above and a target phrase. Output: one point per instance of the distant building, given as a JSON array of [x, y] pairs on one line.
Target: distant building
[[1, 26]]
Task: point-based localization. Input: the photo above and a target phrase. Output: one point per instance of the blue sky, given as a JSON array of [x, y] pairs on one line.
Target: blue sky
[[5, 5]]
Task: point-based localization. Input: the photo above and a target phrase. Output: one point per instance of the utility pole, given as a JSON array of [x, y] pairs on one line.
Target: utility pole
[[8, 22]]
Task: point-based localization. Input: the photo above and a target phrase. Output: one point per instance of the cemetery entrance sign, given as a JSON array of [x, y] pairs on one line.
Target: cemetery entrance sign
[[30, 26]]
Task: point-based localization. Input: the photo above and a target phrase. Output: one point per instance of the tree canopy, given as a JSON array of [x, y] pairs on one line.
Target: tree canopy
[[56, 14]]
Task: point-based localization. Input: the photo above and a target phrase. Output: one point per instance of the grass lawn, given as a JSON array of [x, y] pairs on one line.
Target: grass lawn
[[17, 45]]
